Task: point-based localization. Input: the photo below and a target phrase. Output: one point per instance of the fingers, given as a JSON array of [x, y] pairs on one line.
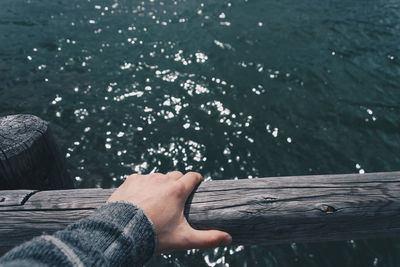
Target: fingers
[[190, 180], [175, 175], [208, 239]]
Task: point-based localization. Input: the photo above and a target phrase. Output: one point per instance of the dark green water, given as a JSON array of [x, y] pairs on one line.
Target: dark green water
[[230, 89]]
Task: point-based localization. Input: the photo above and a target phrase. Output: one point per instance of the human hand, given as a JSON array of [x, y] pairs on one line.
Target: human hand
[[162, 197]]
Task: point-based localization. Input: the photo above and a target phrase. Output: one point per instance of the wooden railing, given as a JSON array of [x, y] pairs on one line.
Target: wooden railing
[[254, 211]]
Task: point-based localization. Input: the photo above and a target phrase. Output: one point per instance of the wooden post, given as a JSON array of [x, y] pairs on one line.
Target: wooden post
[[257, 211], [29, 158]]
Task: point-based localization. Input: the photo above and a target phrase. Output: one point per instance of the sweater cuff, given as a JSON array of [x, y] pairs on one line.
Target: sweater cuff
[[121, 232], [135, 223]]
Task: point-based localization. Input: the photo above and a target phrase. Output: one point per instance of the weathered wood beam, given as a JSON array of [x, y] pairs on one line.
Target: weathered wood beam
[[29, 157], [268, 210]]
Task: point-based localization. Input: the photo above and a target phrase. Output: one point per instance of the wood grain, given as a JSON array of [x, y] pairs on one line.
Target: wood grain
[[14, 197], [256, 211], [29, 157]]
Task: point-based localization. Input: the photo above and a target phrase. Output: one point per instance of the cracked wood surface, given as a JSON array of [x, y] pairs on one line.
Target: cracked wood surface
[[14, 197], [29, 157], [257, 211]]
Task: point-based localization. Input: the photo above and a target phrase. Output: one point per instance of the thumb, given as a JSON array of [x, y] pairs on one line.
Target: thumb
[[209, 238]]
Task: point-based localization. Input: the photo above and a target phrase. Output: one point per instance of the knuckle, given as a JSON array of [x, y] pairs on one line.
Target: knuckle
[[176, 173], [178, 188], [197, 175], [157, 175]]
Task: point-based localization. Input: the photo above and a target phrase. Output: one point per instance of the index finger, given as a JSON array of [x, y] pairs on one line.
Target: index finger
[[190, 180]]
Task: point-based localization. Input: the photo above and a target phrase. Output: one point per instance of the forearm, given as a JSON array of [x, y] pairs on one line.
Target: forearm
[[115, 234]]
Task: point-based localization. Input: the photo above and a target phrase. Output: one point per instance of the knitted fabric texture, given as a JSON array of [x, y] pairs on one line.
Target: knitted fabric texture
[[116, 234]]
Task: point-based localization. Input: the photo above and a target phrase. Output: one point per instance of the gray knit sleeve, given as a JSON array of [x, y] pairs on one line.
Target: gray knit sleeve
[[117, 234]]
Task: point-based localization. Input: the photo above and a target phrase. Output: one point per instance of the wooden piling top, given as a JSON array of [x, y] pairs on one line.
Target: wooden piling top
[[29, 157]]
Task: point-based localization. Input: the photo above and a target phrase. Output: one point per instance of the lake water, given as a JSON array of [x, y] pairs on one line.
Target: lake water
[[236, 89]]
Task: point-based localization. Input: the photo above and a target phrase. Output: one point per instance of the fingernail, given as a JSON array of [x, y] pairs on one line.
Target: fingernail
[[227, 240]]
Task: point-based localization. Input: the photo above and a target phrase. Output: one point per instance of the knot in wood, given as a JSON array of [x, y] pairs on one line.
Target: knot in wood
[[327, 208], [330, 209]]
